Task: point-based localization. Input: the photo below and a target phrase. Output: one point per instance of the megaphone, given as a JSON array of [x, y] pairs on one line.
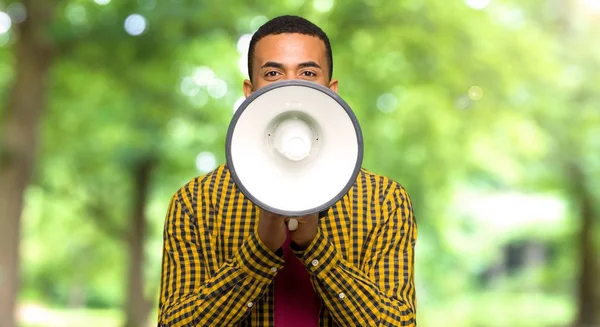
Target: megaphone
[[294, 148]]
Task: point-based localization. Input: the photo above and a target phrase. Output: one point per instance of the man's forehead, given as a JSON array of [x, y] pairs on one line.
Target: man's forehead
[[290, 47]]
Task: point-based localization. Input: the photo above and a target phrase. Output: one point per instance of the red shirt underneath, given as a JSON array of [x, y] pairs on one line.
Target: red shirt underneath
[[296, 303]]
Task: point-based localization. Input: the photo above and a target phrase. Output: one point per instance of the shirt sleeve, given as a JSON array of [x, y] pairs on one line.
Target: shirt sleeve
[[192, 293], [383, 293]]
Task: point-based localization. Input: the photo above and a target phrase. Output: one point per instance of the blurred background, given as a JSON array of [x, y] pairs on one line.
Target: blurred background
[[487, 111]]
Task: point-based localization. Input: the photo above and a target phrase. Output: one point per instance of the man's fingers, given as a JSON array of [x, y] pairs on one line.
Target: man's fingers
[[300, 220], [293, 224]]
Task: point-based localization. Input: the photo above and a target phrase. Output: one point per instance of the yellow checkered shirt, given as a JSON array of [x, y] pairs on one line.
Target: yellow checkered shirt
[[216, 271]]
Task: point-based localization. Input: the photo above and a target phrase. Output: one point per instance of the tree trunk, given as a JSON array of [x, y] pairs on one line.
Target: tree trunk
[[587, 300], [26, 103], [137, 306]]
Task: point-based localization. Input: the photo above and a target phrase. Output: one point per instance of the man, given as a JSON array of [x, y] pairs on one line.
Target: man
[[228, 263]]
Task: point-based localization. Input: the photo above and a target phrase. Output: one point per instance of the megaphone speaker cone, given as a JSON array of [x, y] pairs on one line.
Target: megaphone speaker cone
[[293, 139], [294, 147]]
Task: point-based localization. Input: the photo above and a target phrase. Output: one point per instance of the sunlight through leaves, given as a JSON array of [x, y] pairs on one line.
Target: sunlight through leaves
[[5, 22], [135, 24], [477, 4], [206, 161]]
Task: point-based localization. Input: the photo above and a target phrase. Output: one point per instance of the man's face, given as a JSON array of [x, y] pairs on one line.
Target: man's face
[[289, 56]]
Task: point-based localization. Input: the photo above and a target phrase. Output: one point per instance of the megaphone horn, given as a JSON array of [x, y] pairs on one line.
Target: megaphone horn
[[294, 148]]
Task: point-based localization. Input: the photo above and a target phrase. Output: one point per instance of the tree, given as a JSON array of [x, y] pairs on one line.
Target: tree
[[27, 100]]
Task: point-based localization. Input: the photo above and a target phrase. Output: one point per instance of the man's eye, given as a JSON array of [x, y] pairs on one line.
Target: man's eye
[[271, 74], [309, 73]]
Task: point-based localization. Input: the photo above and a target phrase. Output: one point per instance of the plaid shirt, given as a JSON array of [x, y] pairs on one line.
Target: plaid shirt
[[216, 271]]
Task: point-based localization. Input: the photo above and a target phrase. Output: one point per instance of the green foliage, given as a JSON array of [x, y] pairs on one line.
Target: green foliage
[[452, 102]]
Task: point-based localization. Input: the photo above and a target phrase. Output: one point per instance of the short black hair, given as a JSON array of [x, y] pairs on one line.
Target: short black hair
[[289, 24]]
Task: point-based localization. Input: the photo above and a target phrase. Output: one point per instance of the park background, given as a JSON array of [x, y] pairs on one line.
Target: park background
[[487, 111]]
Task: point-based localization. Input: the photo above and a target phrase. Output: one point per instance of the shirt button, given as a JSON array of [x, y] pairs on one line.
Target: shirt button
[[342, 295], [273, 269], [315, 262], [250, 304]]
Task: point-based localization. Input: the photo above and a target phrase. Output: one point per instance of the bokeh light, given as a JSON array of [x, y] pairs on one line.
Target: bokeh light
[[206, 161], [257, 22], [323, 5], [135, 24], [199, 99], [217, 88], [238, 103], [387, 102], [189, 86], [242, 46], [592, 4], [5, 22], [203, 75], [477, 4], [17, 12], [76, 14], [463, 102], [475, 92], [243, 43]]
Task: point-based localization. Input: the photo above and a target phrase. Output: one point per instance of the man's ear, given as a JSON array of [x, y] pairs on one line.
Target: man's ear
[[333, 85], [247, 88]]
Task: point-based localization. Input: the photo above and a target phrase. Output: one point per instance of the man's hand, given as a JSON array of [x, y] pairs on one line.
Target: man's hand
[[272, 230], [307, 230]]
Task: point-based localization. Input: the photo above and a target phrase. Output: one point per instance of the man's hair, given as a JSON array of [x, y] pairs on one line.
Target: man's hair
[[289, 24]]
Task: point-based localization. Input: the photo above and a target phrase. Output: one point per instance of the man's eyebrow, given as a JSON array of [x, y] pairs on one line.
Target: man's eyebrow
[[309, 64], [278, 65], [272, 64]]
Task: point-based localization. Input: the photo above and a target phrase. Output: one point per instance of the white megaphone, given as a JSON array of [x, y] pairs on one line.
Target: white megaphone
[[294, 148]]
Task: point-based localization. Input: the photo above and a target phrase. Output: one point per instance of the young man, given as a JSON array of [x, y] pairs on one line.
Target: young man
[[228, 263]]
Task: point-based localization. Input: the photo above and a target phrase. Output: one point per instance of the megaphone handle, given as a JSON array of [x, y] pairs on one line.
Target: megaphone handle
[[292, 224]]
